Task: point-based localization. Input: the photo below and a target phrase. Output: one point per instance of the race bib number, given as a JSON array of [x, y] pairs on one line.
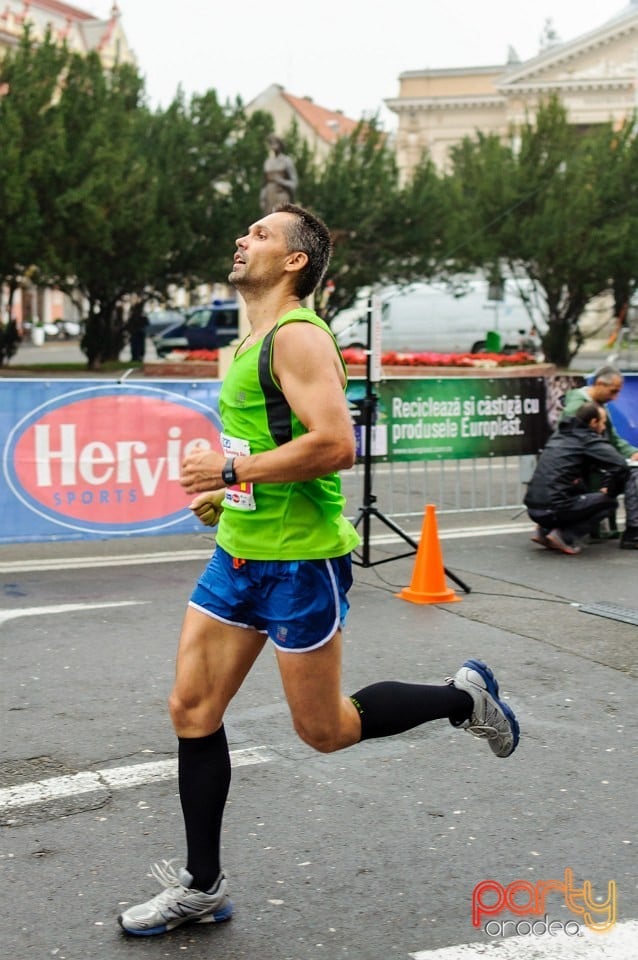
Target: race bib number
[[240, 496]]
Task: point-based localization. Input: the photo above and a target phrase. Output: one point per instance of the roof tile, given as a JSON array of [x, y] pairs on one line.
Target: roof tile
[[330, 125]]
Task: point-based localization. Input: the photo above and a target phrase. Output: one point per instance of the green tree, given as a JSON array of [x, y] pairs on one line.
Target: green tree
[[356, 192], [618, 233], [420, 225], [544, 211], [382, 232], [105, 232], [208, 159], [480, 192], [30, 142], [560, 223], [9, 339]]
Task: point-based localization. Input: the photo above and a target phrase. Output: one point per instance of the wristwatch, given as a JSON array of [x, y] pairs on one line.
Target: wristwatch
[[228, 472]]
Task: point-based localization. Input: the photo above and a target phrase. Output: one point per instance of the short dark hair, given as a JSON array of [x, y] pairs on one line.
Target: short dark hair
[[589, 411], [310, 235], [607, 374]]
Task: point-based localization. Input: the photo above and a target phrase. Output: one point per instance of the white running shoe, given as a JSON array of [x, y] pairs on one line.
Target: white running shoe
[[178, 903], [491, 718]]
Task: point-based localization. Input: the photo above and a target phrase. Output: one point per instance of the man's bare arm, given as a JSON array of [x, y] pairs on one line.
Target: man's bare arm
[[308, 369]]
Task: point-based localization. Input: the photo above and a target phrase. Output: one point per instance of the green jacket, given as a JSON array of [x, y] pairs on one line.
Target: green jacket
[[575, 399]]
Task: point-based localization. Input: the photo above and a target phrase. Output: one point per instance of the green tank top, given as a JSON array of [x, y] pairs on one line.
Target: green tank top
[[281, 521]]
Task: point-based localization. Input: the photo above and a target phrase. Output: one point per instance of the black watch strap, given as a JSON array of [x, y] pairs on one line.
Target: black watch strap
[[228, 472]]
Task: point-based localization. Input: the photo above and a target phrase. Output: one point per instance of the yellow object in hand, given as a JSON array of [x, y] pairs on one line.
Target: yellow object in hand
[[208, 507]]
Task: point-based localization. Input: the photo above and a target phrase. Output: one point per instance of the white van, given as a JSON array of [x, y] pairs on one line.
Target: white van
[[437, 318]]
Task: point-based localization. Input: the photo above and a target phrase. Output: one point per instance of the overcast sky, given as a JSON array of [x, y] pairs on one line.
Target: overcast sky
[[345, 54]]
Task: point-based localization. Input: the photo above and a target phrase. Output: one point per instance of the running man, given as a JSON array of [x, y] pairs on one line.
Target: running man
[[281, 569]]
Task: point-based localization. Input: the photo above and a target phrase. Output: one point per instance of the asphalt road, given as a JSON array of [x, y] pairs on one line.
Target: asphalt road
[[60, 351], [371, 853]]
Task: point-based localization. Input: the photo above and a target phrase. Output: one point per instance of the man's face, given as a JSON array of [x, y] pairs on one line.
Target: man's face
[[604, 392], [600, 422], [261, 256]]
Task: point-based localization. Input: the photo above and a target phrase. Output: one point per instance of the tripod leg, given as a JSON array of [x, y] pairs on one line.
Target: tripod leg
[[393, 526], [464, 587]]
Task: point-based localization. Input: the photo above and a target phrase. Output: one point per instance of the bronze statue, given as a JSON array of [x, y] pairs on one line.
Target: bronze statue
[[280, 177]]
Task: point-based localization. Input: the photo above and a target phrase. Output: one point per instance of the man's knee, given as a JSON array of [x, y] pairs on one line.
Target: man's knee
[[192, 715], [331, 731], [320, 736], [177, 708]]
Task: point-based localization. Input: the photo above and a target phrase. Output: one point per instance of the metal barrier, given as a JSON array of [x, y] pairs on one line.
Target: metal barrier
[[453, 486]]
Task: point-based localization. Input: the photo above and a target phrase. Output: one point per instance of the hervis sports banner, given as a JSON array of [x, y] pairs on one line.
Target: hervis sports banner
[[100, 459], [88, 459], [457, 418]]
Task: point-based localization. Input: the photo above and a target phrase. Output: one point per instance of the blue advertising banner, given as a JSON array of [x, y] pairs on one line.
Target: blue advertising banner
[[624, 409], [89, 460]]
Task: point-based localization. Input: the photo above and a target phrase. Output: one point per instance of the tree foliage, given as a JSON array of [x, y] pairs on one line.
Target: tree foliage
[[105, 199], [355, 192], [101, 196], [109, 199], [557, 208], [30, 142], [208, 159]]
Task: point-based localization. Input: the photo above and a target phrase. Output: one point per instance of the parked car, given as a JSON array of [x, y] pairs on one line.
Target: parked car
[[160, 320], [62, 329], [204, 328], [434, 317]]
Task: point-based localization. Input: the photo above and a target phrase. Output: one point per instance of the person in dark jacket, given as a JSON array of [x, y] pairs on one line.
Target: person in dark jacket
[[607, 384], [557, 497]]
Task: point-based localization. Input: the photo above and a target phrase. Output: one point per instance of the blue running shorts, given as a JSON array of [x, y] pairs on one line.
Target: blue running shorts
[[300, 604]]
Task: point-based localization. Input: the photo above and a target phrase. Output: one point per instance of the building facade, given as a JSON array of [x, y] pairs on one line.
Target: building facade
[[81, 31], [595, 75], [318, 126]]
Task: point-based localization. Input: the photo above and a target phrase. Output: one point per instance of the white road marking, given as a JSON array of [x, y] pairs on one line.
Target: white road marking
[[493, 530], [115, 778], [618, 944], [465, 466], [64, 608], [458, 533], [121, 560]]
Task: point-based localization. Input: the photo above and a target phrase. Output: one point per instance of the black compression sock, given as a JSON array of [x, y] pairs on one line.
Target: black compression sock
[[204, 780], [392, 707]]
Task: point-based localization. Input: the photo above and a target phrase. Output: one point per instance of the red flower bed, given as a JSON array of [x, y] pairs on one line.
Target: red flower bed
[[194, 355], [355, 357]]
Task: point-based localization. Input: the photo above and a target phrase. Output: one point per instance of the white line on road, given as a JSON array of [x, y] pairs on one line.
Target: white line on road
[[64, 608], [119, 560], [618, 944], [457, 533], [114, 778], [398, 468]]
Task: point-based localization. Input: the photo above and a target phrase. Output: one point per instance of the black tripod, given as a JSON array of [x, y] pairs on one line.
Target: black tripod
[[368, 508]]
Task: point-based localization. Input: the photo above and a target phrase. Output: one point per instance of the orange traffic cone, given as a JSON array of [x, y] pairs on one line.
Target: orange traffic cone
[[428, 577]]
